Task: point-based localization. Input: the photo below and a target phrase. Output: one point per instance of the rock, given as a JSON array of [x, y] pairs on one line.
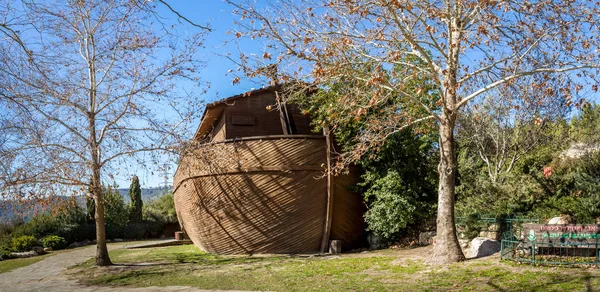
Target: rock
[[464, 244], [20, 255], [335, 246], [426, 238], [375, 242], [563, 219], [48, 249], [494, 227], [118, 240], [86, 242], [579, 150], [93, 242], [74, 245], [39, 250], [482, 247], [489, 234]]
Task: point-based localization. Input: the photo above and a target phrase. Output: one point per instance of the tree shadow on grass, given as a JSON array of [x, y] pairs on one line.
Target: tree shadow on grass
[[213, 259], [133, 265], [123, 277]]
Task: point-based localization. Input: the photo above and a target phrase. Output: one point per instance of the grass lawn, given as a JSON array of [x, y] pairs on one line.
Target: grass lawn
[[9, 265], [395, 270]]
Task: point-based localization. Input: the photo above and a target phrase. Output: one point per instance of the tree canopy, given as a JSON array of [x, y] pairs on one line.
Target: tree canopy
[[87, 87], [465, 48]]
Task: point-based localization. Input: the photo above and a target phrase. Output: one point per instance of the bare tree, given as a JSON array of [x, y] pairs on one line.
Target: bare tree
[[465, 47], [89, 87], [504, 127]]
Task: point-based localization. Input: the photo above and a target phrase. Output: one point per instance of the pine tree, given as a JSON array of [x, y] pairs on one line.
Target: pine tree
[[135, 194]]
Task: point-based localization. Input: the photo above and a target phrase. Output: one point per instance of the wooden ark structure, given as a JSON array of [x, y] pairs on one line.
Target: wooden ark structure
[[256, 181]]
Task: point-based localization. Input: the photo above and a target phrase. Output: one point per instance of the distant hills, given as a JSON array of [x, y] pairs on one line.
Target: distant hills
[[148, 194], [9, 208]]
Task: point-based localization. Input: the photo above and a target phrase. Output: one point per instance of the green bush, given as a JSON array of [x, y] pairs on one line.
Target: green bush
[[116, 212], [572, 187], [24, 243], [62, 221], [85, 231], [136, 230], [4, 254], [396, 200], [54, 242], [5, 241], [159, 214], [161, 209]]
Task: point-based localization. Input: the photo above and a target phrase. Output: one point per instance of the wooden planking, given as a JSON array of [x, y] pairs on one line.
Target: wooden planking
[[219, 132], [278, 206], [254, 213], [266, 121], [223, 157], [253, 105], [302, 122], [348, 224]]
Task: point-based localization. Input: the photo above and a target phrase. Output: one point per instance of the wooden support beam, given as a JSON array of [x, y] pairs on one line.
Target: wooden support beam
[[288, 125], [282, 117], [329, 213]]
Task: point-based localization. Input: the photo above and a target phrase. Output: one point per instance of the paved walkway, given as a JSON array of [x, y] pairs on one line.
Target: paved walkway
[[162, 243], [48, 275]]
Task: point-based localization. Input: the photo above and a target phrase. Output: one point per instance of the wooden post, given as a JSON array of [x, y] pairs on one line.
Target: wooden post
[[179, 235], [329, 213], [283, 117]]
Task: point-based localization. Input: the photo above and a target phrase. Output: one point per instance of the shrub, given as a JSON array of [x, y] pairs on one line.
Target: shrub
[[396, 200], [136, 230], [159, 215], [161, 209], [59, 220], [24, 243], [5, 241], [116, 212], [85, 231], [4, 254], [54, 242]]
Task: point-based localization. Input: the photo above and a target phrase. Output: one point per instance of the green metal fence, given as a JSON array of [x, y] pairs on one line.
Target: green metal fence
[[513, 226], [509, 228], [515, 246], [546, 253]]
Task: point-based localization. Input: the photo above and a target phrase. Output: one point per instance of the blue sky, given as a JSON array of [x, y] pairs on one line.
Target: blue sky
[[218, 14], [218, 42]]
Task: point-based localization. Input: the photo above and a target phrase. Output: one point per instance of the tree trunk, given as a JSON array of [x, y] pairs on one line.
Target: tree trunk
[[446, 248], [102, 258]]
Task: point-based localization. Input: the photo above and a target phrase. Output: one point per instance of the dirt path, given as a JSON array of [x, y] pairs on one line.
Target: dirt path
[[48, 275]]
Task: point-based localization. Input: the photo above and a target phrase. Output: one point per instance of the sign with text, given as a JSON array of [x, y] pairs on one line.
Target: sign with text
[[561, 233]]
